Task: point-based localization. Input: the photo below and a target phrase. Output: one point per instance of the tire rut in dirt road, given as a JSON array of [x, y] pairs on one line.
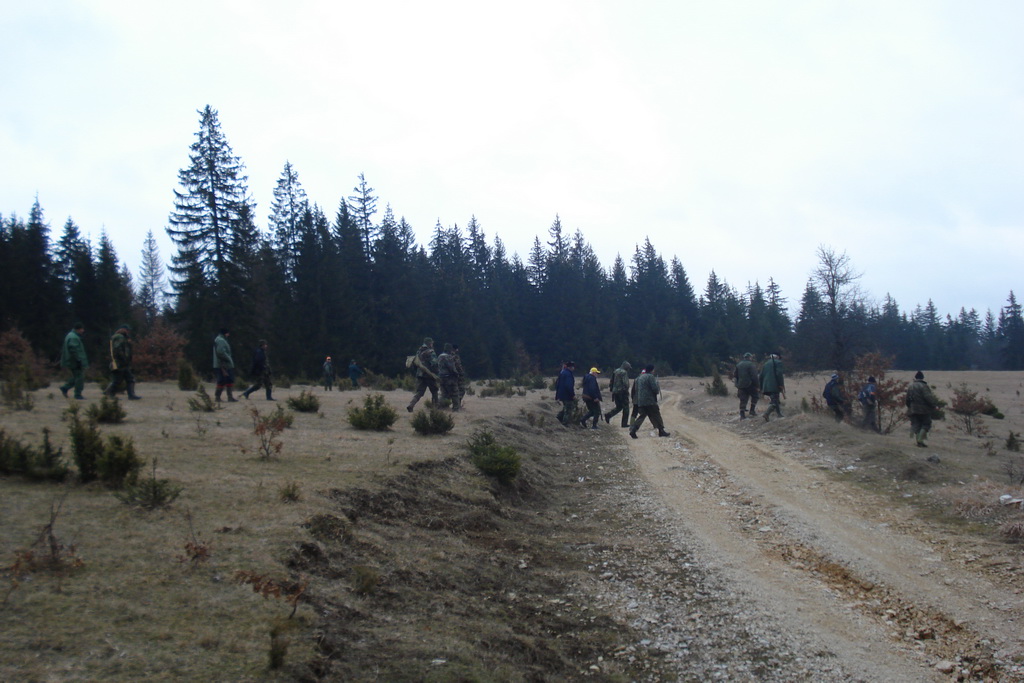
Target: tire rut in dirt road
[[822, 559]]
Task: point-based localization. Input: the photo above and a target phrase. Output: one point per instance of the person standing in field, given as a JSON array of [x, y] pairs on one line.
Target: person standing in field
[[461, 372], [73, 358], [449, 377], [647, 391], [354, 373], [868, 398], [121, 363], [328, 375], [745, 378], [921, 403], [773, 383], [834, 398], [223, 365], [619, 388]]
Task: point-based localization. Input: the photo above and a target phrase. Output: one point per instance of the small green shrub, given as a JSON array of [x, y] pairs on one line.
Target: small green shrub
[[432, 420], [375, 415], [201, 402], [305, 402], [108, 411], [150, 493], [188, 380], [120, 463], [289, 492], [14, 391], [717, 386], [42, 464], [86, 445], [1013, 442], [283, 382], [491, 458], [267, 429], [364, 579]]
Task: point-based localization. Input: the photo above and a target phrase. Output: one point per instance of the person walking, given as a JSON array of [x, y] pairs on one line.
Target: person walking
[[834, 398], [121, 363], [260, 371], [223, 365], [565, 392], [449, 377], [619, 388], [591, 398], [425, 362], [461, 372], [921, 403], [746, 381], [773, 383], [73, 358], [354, 373], [647, 391], [328, 374], [868, 398]]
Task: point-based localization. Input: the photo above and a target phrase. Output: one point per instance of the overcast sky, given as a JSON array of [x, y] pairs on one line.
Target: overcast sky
[[738, 136]]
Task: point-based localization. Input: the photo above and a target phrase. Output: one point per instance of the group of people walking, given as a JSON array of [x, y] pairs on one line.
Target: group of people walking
[[643, 392], [354, 373], [751, 384], [435, 372]]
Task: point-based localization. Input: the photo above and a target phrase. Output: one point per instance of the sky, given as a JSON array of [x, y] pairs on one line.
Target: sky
[[738, 136]]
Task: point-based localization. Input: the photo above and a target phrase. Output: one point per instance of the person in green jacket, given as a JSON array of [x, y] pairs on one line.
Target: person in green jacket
[[773, 383], [619, 388], [921, 403], [223, 365], [647, 391], [121, 363], [746, 380], [73, 358]]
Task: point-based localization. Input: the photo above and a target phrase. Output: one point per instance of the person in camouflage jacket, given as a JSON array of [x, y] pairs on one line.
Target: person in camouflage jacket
[[619, 389], [921, 403], [121, 363], [746, 381], [425, 362]]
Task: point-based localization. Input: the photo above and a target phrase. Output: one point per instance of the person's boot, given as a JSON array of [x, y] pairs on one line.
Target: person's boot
[[662, 432], [743, 414], [132, 396], [632, 433], [245, 394], [607, 418], [752, 413], [231, 398], [269, 397], [217, 394], [109, 391]]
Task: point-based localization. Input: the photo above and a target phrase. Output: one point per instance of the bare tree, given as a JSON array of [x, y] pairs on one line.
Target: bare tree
[[836, 282]]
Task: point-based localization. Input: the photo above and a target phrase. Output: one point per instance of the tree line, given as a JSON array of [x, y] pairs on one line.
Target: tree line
[[356, 284]]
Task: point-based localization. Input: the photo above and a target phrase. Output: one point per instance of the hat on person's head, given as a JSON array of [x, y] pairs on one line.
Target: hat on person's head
[[447, 346], [595, 371], [919, 375], [328, 357], [77, 325], [835, 376], [871, 380], [427, 341], [125, 327], [748, 355], [650, 368], [225, 330], [570, 364], [262, 342], [626, 365]]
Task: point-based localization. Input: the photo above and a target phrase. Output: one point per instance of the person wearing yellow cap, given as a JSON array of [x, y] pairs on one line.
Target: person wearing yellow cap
[[591, 398], [328, 374]]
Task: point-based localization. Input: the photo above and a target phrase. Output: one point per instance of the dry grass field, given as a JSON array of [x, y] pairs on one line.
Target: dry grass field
[[406, 563]]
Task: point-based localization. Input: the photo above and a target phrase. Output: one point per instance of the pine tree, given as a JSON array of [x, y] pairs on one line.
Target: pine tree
[[152, 284], [216, 238], [1011, 334], [362, 207], [286, 211]]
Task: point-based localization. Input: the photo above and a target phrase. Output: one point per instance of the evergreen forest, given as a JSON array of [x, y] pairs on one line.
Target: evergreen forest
[[351, 282]]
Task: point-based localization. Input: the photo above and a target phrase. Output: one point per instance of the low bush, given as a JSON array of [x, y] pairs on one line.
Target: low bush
[[86, 445], [14, 392], [201, 402], [150, 493], [305, 402], [432, 420], [493, 459], [717, 386], [188, 380], [159, 355], [375, 415], [119, 464], [108, 411], [37, 464]]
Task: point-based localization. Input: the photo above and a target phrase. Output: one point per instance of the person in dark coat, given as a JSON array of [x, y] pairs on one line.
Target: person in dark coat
[[260, 370], [745, 378], [121, 363], [773, 383], [921, 403], [647, 391], [565, 392], [591, 398], [868, 398], [354, 373], [619, 389]]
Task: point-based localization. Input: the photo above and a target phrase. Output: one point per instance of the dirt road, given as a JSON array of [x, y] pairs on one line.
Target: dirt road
[[841, 570]]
